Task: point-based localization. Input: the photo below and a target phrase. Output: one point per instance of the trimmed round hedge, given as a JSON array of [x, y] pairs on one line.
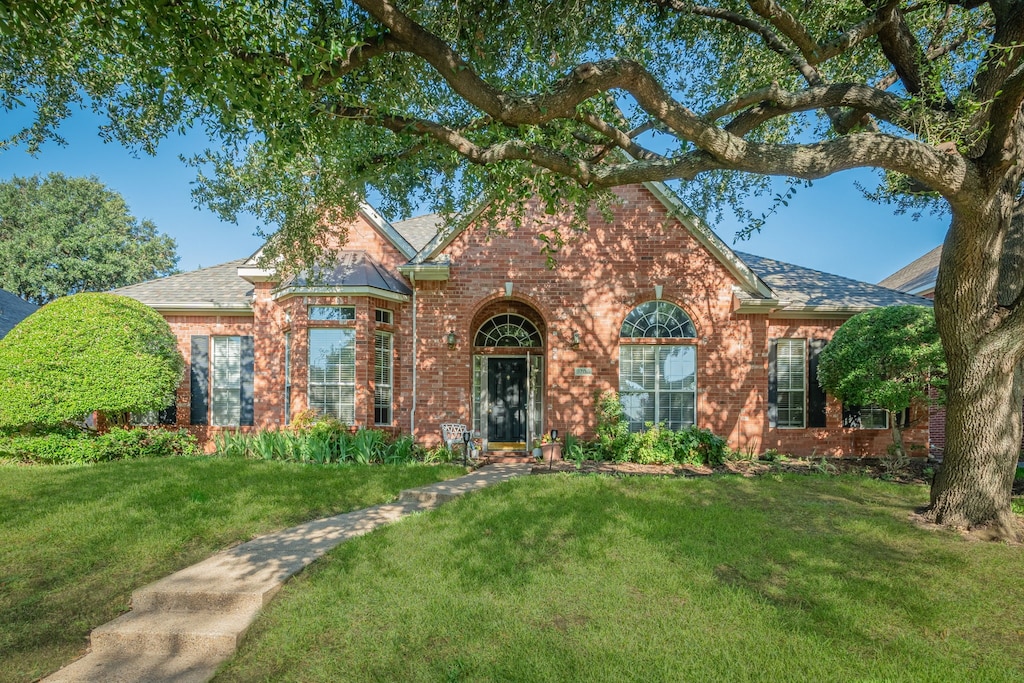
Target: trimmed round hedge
[[87, 353]]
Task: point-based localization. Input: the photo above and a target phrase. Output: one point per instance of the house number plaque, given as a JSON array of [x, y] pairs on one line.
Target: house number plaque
[[583, 372]]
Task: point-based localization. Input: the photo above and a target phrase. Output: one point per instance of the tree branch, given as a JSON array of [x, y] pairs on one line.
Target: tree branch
[[945, 173], [617, 137], [901, 48]]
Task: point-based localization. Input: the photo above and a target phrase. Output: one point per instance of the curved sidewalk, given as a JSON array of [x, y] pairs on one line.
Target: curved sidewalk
[[183, 626]]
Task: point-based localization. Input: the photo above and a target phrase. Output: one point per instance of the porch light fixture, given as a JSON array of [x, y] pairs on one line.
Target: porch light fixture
[[451, 338], [574, 341], [508, 289]]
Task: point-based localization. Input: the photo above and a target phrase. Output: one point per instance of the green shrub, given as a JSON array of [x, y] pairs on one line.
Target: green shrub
[[87, 353], [73, 447], [320, 442], [612, 427], [655, 445], [696, 446]]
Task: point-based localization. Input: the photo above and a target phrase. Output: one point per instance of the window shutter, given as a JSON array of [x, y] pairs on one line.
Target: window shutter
[[169, 415], [815, 394], [200, 379], [246, 387], [773, 386]]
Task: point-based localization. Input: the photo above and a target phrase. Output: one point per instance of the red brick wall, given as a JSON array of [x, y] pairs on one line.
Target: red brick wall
[[598, 280], [600, 277]]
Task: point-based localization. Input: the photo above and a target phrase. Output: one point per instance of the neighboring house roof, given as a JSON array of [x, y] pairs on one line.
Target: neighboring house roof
[[917, 277], [808, 291], [419, 230], [13, 310], [354, 272], [217, 288]]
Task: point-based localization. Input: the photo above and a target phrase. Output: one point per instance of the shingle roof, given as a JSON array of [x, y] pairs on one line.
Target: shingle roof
[[353, 269], [916, 276], [12, 311], [216, 287], [419, 230], [803, 287]]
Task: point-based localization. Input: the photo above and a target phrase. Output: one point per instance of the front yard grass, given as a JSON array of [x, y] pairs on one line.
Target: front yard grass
[[75, 541], [595, 578]]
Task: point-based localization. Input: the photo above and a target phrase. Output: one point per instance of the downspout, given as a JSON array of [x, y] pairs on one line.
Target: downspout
[[412, 411]]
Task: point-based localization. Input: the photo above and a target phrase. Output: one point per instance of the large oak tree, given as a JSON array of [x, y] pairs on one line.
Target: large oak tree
[[318, 102], [61, 235]]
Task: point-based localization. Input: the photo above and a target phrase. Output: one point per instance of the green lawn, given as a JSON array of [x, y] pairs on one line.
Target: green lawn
[[75, 541], [555, 578]]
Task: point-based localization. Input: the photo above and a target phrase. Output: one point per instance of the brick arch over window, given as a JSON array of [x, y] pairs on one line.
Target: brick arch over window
[[508, 307], [658, 320], [658, 366], [508, 330]]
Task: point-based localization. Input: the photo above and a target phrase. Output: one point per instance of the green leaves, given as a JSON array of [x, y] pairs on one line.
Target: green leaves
[[87, 353], [887, 357], [61, 235]]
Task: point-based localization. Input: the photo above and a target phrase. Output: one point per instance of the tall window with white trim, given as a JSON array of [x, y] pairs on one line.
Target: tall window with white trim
[[791, 378], [657, 373], [226, 400], [383, 369], [332, 372]]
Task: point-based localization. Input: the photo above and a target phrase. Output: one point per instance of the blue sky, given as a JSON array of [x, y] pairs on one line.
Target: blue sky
[[829, 227]]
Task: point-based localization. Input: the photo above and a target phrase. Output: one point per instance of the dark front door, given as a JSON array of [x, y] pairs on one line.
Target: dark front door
[[506, 393]]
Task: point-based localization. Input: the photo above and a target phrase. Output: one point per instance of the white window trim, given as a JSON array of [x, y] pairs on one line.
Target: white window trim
[[236, 386], [391, 375], [657, 391], [779, 390], [310, 384]]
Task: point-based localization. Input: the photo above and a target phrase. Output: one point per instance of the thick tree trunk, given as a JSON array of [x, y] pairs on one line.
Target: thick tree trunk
[[986, 386], [983, 432]]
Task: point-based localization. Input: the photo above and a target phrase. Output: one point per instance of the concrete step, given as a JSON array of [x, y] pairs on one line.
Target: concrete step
[[494, 458], [136, 667], [157, 597], [159, 632]]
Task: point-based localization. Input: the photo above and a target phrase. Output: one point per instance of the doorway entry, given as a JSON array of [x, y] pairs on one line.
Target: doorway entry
[[508, 384], [506, 401]]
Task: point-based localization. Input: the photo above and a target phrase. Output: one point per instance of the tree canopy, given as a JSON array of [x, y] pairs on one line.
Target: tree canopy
[[887, 357], [61, 235], [87, 353], [318, 103]]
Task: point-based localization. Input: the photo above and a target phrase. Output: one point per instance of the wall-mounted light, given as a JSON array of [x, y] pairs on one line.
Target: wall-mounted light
[[287, 317], [508, 289], [451, 338], [658, 289], [574, 340]]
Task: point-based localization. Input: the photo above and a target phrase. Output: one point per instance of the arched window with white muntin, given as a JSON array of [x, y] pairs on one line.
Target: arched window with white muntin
[[508, 330], [658, 366]]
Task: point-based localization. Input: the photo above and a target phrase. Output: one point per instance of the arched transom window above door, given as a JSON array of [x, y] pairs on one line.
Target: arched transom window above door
[[658, 320], [658, 371], [508, 330]]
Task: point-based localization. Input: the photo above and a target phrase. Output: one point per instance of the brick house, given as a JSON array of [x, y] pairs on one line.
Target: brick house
[[418, 324]]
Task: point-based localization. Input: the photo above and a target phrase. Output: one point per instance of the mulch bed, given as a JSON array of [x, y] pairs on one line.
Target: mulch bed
[[919, 471]]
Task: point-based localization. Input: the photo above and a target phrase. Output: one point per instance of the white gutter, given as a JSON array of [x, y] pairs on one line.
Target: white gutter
[[412, 411]]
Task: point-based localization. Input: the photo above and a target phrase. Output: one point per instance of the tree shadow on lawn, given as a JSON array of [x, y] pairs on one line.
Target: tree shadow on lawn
[[821, 552]]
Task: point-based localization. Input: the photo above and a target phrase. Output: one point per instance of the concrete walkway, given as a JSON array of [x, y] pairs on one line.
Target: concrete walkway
[[183, 626]]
